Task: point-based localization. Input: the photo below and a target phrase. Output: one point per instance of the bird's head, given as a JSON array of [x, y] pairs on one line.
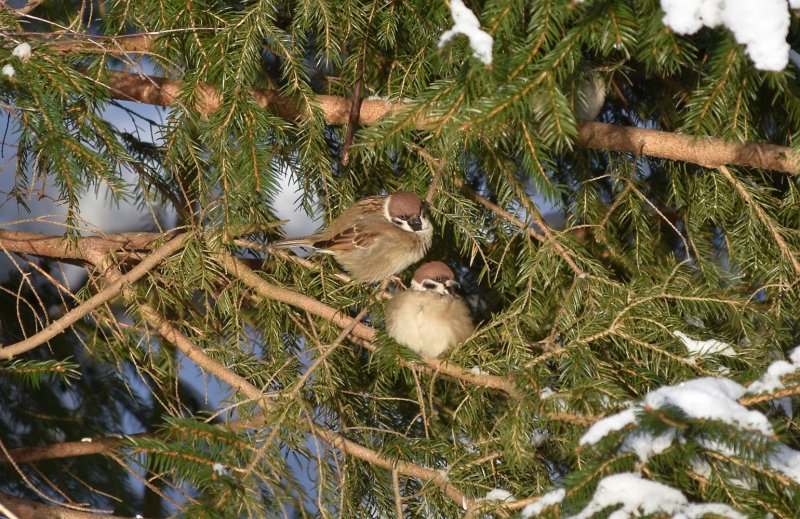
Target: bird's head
[[406, 211], [435, 277]]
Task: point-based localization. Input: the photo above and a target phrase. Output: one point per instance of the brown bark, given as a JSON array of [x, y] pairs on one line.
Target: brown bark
[[57, 247], [26, 509], [709, 152], [704, 151], [165, 92], [62, 450]]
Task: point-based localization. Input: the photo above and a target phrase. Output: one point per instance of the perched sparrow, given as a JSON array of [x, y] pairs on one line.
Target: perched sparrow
[[429, 318], [590, 95], [375, 238]]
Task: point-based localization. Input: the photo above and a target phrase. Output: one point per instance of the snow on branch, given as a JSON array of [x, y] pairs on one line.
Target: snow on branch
[[761, 26], [704, 348], [639, 496], [465, 22], [773, 379], [715, 399]]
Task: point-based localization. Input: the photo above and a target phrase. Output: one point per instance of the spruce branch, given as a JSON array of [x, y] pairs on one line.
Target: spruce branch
[[88, 306], [704, 151], [773, 395], [238, 269], [763, 217], [240, 384], [92, 249]]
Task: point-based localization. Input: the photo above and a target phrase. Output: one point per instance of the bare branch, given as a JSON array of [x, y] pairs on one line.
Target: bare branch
[[710, 152], [57, 247], [27, 509], [65, 450], [165, 92], [85, 308]]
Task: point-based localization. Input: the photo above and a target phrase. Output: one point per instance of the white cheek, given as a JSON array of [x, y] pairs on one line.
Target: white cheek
[[426, 224], [404, 225]]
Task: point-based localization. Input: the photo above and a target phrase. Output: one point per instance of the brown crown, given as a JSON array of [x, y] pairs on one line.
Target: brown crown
[[433, 270], [403, 203]]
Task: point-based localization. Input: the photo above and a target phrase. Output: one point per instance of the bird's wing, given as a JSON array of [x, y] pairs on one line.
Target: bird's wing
[[354, 237]]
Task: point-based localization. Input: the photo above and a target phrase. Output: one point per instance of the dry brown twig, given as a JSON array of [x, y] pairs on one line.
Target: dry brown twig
[[85, 308]]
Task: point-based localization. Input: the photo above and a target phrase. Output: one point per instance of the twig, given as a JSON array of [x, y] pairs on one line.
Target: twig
[[533, 213], [267, 290], [327, 350], [763, 217], [398, 498], [85, 308], [502, 212], [355, 108], [8, 513], [236, 268], [438, 169]]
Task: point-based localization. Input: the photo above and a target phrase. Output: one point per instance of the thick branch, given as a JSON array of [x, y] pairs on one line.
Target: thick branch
[[57, 247], [63, 450], [165, 92], [26, 509], [705, 151], [710, 152]]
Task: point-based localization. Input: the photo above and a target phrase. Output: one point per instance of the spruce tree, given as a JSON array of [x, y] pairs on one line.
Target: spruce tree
[[629, 356]]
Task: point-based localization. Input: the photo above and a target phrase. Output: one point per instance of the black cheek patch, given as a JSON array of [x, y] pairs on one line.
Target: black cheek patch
[[429, 285]]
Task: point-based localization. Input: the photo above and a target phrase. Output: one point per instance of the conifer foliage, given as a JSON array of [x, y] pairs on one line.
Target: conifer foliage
[[635, 279]]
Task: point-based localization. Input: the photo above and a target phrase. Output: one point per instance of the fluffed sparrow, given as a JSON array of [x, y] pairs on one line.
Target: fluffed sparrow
[[429, 317]]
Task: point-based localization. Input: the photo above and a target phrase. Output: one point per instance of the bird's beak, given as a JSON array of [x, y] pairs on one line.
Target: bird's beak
[[451, 286], [415, 223]]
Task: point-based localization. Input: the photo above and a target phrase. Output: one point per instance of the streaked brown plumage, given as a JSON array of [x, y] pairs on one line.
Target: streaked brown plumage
[[374, 238], [429, 318]]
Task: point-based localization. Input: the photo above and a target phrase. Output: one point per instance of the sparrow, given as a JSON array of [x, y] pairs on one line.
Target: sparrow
[[429, 317], [590, 95], [375, 238]]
